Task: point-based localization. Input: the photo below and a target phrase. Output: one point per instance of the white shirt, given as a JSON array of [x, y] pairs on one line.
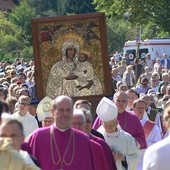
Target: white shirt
[[117, 78], [125, 79], [149, 63], [156, 66], [155, 89], [122, 142], [28, 121], [117, 57], [157, 156]]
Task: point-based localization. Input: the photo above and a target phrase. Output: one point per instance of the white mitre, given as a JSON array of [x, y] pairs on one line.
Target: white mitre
[[43, 108], [106, 110]]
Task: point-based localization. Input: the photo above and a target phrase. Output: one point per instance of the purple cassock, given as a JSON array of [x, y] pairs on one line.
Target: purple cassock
[[99, 158], [55, 149], [129, 123], [107, 151], [97, 123]]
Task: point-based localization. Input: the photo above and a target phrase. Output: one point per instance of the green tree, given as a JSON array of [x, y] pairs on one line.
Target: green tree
[[48, 8], [15, 32], [79, 6], [162, 15], [21, 16], [151, 30], [61, 7], [10, 38], [118, 31], [15, 27], [140, 11]]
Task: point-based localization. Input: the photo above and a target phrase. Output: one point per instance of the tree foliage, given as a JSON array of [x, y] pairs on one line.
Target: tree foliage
[[9, 35], [79, 6], [15, 32], [61, 7], [162, 15], [15, 27], [153, 18], [21, 16], [140, 11], [48, 8], [119, 31]]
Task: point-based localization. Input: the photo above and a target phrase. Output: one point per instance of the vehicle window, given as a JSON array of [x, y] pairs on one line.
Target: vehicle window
[[142, 53], [132, 54]]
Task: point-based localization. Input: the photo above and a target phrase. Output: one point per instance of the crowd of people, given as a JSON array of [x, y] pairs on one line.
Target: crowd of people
[[146, 84], [130, 130]]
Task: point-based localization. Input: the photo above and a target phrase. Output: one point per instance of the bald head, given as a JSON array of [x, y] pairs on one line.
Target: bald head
[[60, 99], [62, 111]]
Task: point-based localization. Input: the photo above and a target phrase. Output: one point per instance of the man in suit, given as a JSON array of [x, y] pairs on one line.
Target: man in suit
[[165, 61]]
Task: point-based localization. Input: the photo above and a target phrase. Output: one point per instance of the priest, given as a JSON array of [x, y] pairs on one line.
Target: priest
[[59, 146], [128, 122], [104, 158], [122, 144]]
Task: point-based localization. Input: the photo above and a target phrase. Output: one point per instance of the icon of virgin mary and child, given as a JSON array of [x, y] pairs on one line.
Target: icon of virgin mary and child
[[73, 75]]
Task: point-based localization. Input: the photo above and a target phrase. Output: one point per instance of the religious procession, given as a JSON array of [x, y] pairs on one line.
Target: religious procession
[[128, 131], [69, 100]]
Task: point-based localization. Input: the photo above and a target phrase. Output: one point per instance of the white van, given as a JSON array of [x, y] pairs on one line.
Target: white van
[[156, 47]]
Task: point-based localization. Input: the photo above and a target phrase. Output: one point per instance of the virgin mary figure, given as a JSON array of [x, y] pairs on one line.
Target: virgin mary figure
[[62, 78]]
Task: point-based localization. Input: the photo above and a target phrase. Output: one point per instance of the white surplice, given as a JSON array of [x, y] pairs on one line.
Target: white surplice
[[123, 143], [157, 156]]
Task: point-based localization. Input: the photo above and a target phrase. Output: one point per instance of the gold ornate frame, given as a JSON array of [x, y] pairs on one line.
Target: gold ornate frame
[[89, 30]]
